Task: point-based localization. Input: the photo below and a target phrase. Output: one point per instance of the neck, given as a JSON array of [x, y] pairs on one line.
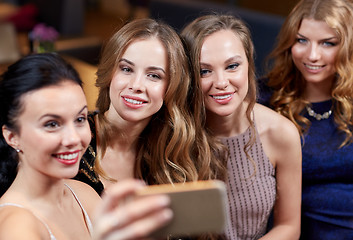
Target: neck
[[229, 125], [318, 92], [36, 187], [128, 131]]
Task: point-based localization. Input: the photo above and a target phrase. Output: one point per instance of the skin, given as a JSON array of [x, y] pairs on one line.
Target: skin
[[137, 92], [48, 130], [224, 74], [314, 55]]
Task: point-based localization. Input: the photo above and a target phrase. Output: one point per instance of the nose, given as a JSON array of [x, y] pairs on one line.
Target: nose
[[137, 83], [221, 81], [314, 53], [71, 137]]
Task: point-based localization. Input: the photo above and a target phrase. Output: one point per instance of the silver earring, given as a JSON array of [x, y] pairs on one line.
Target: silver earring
[[18, 150]]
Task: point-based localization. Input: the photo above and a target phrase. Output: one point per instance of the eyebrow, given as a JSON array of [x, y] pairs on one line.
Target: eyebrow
[[57, 116], [231, 59], [324, 39], [150, 68]]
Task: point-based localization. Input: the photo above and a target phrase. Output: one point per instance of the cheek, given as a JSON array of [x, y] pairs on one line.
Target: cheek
[[159, 91], [206, 85], [86, 135], [296, 52], [331, 56], [118, 82]]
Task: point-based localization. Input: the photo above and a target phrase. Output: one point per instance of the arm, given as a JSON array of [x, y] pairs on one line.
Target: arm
[[282, 144], [18, 224]]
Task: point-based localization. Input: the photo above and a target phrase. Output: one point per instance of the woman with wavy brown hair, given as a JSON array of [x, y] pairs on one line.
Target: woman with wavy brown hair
[[311, 83], [263, 167], [144, 127]]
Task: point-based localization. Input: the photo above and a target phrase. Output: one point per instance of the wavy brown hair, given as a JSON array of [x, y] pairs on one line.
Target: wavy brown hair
[[170, 149], [287, 81], [194, 35]]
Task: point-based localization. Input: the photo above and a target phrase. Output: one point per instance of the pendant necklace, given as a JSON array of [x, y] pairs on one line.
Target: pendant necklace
[[318, 116]]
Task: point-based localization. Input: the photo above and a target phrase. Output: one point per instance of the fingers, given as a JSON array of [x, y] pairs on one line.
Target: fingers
[[142, 227], [122, 216]]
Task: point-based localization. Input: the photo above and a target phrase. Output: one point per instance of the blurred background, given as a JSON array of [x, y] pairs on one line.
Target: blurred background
[[83, 26]]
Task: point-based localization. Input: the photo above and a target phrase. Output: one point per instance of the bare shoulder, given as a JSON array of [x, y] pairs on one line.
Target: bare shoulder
[[274, 125], [13, 218], [278, 135], [85, 193]]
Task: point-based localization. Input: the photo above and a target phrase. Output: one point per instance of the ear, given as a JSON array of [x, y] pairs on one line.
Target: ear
[[11, 137]]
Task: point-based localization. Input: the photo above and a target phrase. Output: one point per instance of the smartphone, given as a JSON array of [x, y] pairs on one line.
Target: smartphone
[[198, 207]]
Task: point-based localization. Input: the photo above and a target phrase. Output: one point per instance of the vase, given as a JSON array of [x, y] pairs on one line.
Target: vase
[[43, 46]]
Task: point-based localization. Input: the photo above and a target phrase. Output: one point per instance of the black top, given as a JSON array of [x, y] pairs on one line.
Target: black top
[[86, 171]]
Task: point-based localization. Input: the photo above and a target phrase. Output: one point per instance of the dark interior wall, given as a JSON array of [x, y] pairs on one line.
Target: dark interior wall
[[278, 7], [66, 16], [264, 27]]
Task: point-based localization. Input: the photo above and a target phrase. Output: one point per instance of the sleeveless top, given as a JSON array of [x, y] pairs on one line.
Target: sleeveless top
[[327, 187], [251, 193], [52, 237]]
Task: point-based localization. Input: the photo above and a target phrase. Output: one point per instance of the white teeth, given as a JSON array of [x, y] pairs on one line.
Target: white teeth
[[313, 67], [222, 97], [133, 101], [68, 156]]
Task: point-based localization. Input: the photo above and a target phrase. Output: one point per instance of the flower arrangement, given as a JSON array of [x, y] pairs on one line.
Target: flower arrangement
[[43, 38]]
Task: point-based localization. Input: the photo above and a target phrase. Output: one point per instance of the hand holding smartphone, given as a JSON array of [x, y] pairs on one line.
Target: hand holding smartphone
[[198, 207]]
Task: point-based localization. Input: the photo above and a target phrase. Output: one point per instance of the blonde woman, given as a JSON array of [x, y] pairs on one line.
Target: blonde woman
[[144, 127], [311, 83], [264, 164]]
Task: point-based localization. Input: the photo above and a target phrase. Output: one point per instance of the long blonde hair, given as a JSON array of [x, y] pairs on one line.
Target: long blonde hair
[[194, 35], [287, 81], [167, 150]]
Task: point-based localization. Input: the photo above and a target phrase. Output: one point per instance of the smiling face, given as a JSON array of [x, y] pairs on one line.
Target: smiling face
[[224, 72], [315, 51], [53, 131], [139, 84]]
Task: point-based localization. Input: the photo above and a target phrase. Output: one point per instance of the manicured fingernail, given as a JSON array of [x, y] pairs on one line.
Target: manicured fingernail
[[164, 200], [167, 214]]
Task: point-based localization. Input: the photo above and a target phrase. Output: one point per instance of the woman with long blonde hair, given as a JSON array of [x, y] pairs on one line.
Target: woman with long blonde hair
[[264, 147], [311, 83], [144, 127]]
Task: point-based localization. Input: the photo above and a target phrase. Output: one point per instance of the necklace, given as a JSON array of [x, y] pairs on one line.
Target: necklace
[[318, 116]]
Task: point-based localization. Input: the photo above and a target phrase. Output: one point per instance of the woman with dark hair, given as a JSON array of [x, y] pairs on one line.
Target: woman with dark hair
[[43, 115]]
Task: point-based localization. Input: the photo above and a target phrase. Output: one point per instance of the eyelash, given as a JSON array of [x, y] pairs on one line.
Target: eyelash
[[204, 72], [51, 124], [303, 40], [153, 75], [125, 69], [81, 119], [233, 66], [54, 124]]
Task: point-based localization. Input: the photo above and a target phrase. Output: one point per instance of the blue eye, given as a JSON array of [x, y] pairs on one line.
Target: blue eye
[[329, 44], [301, 40], [126, 69], [233, 66], [204, 72], [153, 75]]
